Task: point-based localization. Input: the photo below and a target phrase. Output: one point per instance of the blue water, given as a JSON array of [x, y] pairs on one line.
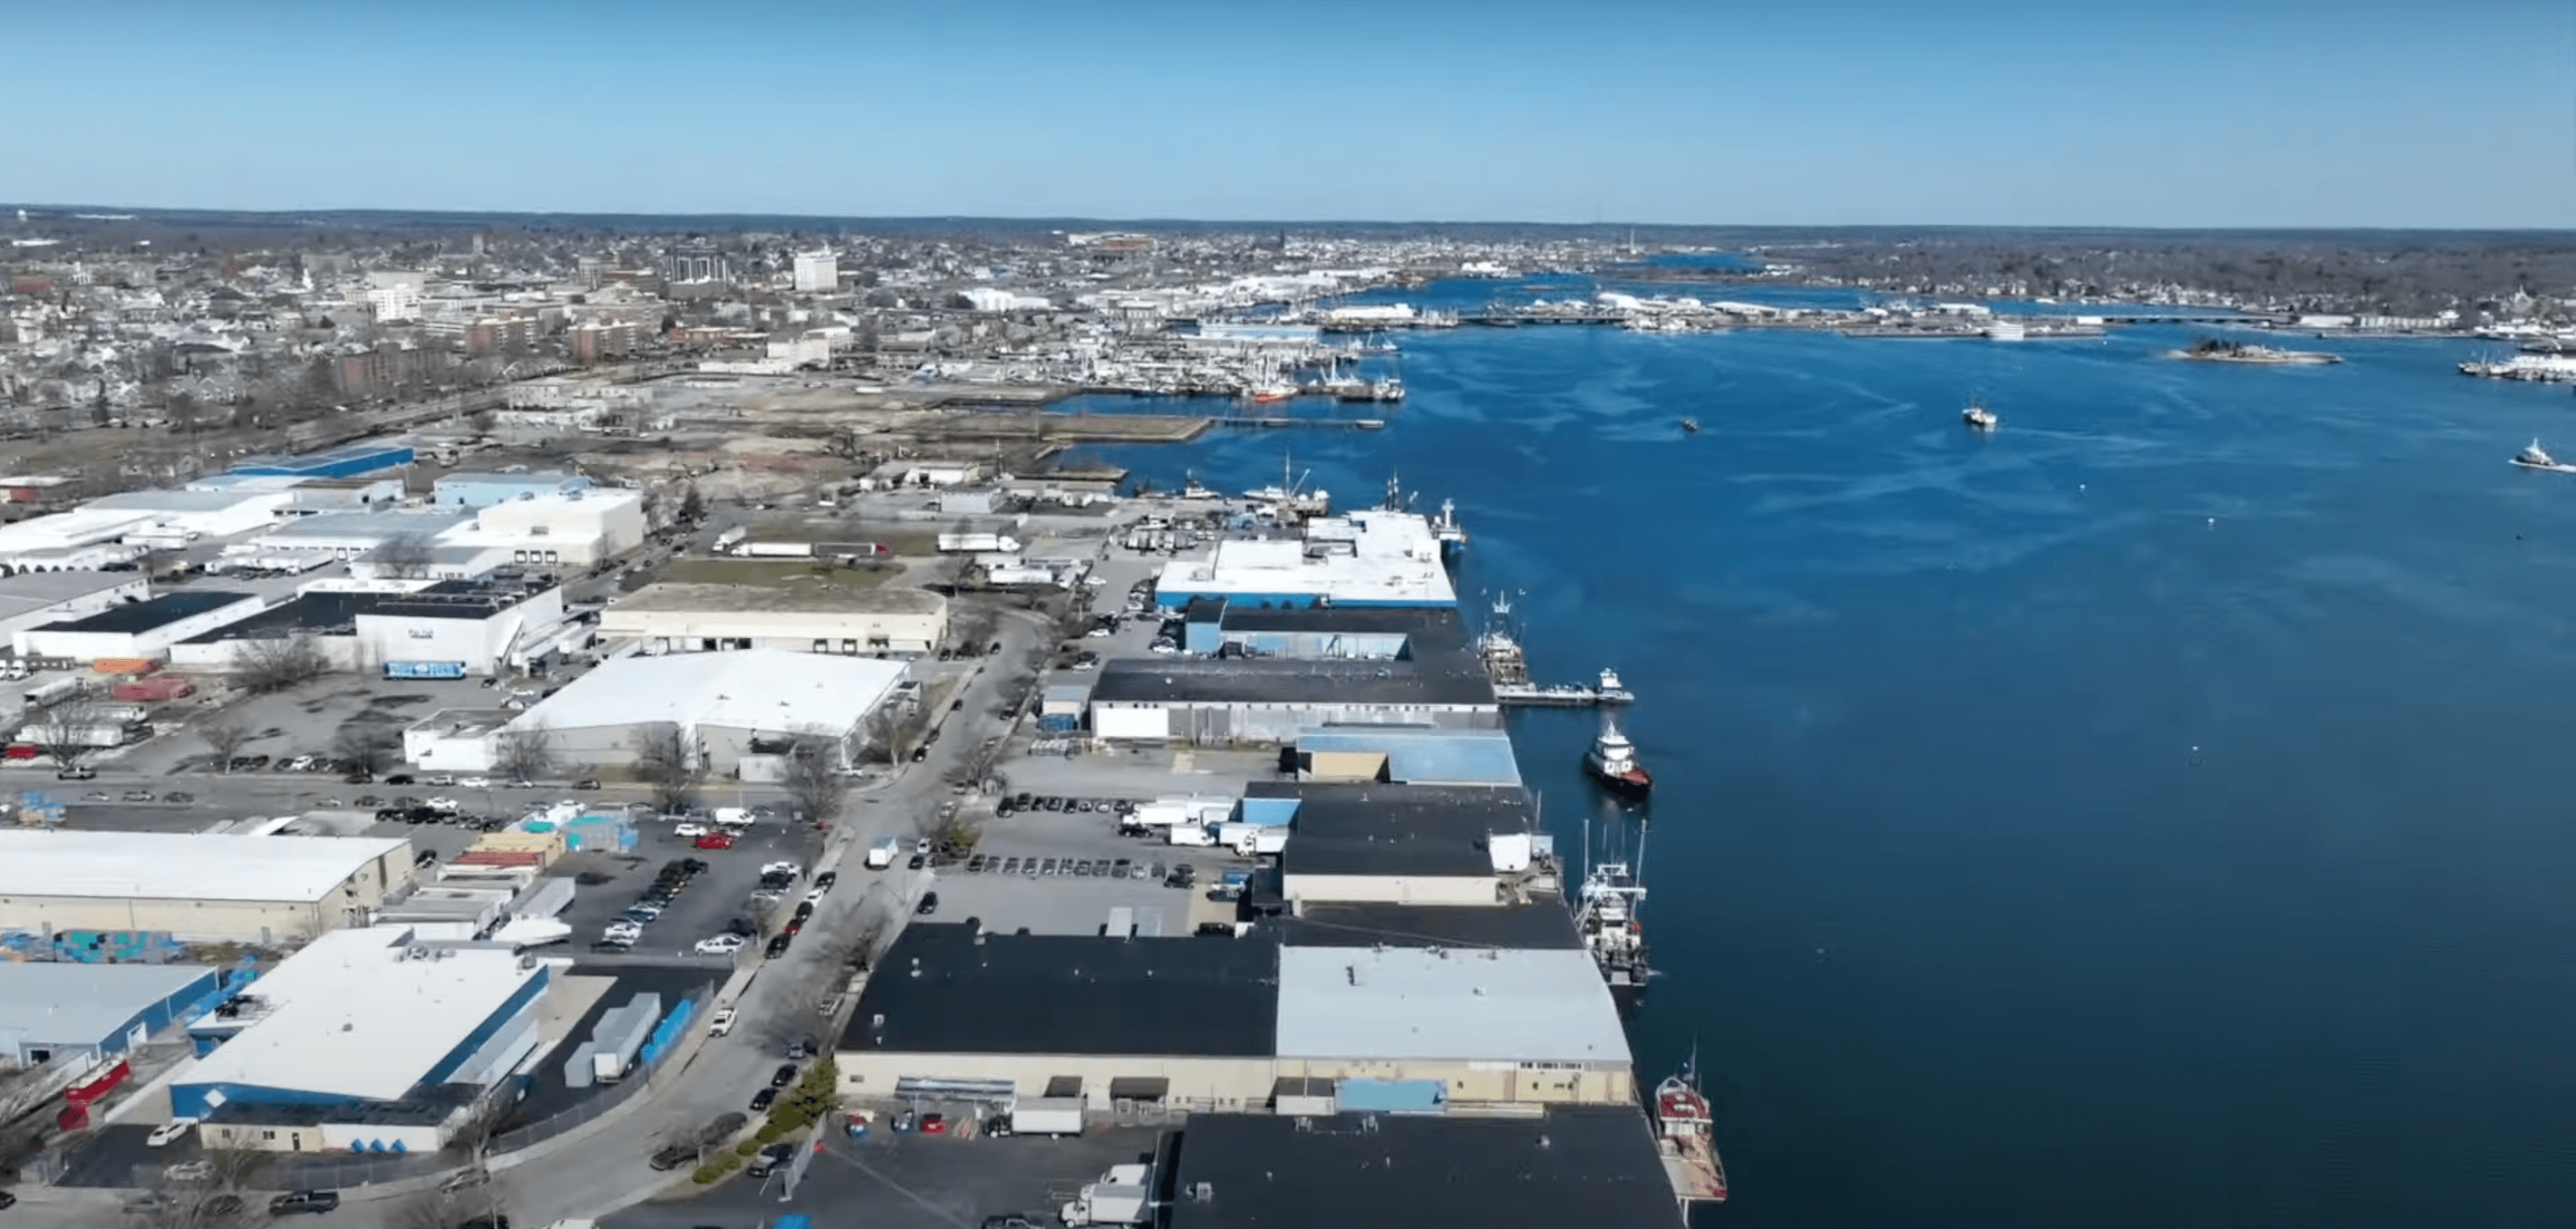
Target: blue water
[[2143, 816]]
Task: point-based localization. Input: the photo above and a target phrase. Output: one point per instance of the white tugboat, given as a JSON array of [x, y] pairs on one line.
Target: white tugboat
[[1612, 761], [1606, 917], [2536, 457], [1612, 691], [1978, 417]]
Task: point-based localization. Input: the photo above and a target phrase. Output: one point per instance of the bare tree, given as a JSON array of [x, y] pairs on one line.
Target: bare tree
[[224, 737], [813, 778], [366, 745], [525, 753], [666, 760], [279, 664], [401, 557], [72, 727]]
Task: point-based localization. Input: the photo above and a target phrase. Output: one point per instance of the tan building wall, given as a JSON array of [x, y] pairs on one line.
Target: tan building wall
[[218, 920], [1241, 1084], [1390, 889], [795, 631], [1215, 1083]]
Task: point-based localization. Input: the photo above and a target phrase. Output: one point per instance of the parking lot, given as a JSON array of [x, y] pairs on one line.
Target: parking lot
[[609, 883]]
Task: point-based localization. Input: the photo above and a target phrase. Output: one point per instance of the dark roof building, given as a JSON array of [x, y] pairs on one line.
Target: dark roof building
[[1396, 830], [950, 988], [158, 612], [1449, 680], [1593, 1166], [1544, 924]]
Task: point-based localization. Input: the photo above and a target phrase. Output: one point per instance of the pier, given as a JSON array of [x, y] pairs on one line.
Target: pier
[[1346, 424]]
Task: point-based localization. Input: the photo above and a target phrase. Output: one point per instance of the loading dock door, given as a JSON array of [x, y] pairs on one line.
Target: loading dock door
[[1139, 1088]]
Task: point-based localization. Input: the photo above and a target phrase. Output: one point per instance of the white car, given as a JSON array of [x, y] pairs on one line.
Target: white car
[[815, 897], [189, 1171], [440, 779], [782, 868], [627, 931], [720, 1023], [168, 1131], [721, 945], [441, 804], [689, 830], [476, 783]]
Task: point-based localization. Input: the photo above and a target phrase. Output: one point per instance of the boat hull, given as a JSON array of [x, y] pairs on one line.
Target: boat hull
[[2551, 468], [1635, 783]]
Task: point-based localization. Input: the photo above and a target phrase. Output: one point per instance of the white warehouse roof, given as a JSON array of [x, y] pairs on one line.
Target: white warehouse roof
[[183, 865], [1467, 1004], [352, 1015], [768, 690]]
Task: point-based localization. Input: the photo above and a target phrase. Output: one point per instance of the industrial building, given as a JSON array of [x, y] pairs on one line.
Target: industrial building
[[144, 629], [439, 629], [1367, 558], [464, 490], [1406, 844], [36, 599], [1407, 755], [959, 1013], [806, 614], [1573, 1165], [570, 529], [727, 705], [1216, 626], [351, 461], [89, 1013], [953, 1010], [368, 1039], [1216, 702], [196, 886]]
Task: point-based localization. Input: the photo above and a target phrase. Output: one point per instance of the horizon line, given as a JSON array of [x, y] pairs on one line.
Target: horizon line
[[1024, 220]]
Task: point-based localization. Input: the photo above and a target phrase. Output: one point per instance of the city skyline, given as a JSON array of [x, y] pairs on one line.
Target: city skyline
[[1862, 114]]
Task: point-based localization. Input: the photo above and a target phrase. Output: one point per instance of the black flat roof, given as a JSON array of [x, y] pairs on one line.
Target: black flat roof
[[1444, 679], [1376, 828], [940, 990], [1541, 925], [328, 611], [1594, 1166], [157, 612], [1427, 630]]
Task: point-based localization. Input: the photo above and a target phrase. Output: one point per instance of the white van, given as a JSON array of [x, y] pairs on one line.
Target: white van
[[881, 855]]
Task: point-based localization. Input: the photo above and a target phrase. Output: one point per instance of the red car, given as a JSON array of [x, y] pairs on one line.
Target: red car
[[934, 1124], [715, 840]]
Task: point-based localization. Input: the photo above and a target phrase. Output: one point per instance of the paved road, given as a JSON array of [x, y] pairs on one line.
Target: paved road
[[600, 1167]]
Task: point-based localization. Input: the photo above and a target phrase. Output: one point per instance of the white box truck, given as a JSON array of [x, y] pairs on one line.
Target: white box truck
[[1118, 1198], [881, 855], [1057, 1116]]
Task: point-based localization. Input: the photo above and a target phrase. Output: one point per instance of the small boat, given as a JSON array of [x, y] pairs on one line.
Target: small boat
[[1686, 1134], [1612, 691], [1690, 426], [1272, 394], [1612, 761], [2536, 457], [1978, 417]]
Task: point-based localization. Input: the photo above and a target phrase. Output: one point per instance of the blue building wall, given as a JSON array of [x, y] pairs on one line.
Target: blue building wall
[[491, 1027], [153, 1016], [1175, 599], [190, 1099], [349, 462], [1268, 812], [1391, 1096]]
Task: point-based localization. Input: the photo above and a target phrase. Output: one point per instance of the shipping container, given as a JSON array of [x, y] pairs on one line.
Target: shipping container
[[124, 665], [154, 689], [424, 669]]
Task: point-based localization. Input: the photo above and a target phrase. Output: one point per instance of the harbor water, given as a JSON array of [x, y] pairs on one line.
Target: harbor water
[[2140, 815]]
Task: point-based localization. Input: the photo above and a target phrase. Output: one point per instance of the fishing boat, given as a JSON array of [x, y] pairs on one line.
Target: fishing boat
[[1690, 426], [1686, 1135], [1272, 394], [1978, 417], [2536, 457], [1606, 917], [1612, 761], [1612, 691]]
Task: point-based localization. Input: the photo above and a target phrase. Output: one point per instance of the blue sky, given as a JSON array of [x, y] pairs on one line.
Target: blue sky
[[2153, 113]]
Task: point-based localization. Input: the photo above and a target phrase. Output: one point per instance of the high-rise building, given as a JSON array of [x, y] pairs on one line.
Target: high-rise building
[[817, 272], [697, 262]]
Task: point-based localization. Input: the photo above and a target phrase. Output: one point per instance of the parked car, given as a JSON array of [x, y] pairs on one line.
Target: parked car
[[760, 1101], [824, 881], [178, 795], [441, 780], [929, 905], [78, 772], [673, 1157], [934, 1124], [138, 795], [400, 778], [777, 947], [917, 862], [689, 830], [168, 1131], [720, 1023], [714, 840], [720, 945], [316, 1202], [474, 783], [189, 1171], [586, 783]]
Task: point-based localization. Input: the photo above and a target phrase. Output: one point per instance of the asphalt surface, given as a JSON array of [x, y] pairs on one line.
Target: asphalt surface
[[601, 1167]]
